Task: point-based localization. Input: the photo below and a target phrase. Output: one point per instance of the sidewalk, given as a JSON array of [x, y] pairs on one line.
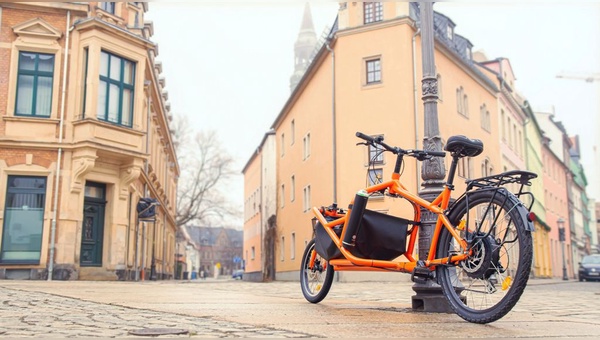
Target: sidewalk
[[229, 308]]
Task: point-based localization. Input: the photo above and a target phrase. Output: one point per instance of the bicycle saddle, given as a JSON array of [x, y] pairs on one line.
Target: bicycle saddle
[[462, 146]]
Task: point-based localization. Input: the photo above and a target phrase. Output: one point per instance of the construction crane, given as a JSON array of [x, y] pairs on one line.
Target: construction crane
[[593, 183], [588, 77]]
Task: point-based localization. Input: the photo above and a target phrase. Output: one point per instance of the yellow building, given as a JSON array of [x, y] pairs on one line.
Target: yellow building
[[367, 78], [84, 134], [521, 148], [541, 266]]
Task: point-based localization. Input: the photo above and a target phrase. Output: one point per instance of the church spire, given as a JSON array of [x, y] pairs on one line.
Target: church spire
[[304, 47]]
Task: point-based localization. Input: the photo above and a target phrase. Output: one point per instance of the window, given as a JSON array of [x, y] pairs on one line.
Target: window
[[293, 247], [34, 84], [282, 144], [465, 166], [373, 12], [373, 71], [108, 7], [253, 253], [375, 176], [462, 102], [503, 125], [23, 219], [510, 136], [514, 135], [293, 189], [282, 252], [485, 118], [293, 132], [282, 199], [306, 203], [486, 168], [115, 91], [306, 141], [449, 32], [375, 153], [459, 106]]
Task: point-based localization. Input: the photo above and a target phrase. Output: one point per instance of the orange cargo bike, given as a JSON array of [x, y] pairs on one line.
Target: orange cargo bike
[[481, 246]]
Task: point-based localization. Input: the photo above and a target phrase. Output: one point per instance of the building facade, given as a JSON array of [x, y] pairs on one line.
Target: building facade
[[555, 157], [359, 81], [260, 208], [219, 251], [84, 134], [580, 215]]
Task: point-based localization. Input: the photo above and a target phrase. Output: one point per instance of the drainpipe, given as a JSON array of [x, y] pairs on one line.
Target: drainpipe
[[416, 98], [137, 224], [334, 130], [166, 209], [58, 158]]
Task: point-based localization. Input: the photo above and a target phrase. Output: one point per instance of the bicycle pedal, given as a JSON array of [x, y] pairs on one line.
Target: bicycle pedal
[[421, 275]]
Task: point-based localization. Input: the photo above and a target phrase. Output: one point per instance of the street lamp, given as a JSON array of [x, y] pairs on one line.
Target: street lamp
[[561, 237], [429, 297]]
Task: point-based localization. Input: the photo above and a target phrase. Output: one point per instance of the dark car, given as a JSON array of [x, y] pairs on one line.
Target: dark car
[[589, 268], [237, 274]]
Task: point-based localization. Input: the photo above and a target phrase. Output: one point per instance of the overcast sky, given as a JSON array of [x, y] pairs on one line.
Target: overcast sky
[[227, 64]]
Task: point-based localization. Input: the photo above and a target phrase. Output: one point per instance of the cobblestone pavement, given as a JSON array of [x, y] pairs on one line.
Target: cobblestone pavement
[[224, 308], [35, 314]]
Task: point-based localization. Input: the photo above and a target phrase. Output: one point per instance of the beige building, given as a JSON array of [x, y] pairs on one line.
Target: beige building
[[367, 78], [260, 209], [84, 134]]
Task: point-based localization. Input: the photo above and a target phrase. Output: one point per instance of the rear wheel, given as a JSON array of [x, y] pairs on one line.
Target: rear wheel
[[315, 280], [486, 286]]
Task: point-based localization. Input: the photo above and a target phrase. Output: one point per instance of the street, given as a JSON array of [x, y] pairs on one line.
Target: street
[[227, 308]]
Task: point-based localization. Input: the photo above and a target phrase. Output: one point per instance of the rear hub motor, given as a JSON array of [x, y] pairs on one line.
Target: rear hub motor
[[485, 257]]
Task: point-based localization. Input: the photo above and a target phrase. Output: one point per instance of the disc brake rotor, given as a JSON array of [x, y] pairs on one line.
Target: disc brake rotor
[[484, 259]]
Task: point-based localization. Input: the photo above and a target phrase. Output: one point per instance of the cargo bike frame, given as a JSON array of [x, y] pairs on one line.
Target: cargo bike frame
[[481, 247]]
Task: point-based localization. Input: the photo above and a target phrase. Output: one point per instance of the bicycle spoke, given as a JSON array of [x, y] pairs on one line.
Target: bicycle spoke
[[483, 287], [316, 281]]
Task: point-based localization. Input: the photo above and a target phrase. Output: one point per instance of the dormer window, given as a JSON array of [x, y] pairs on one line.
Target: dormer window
[[449, 32], [373, 12], [468, 52], [108, 7]]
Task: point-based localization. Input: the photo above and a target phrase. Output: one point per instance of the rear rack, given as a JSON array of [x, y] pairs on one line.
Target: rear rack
[[496, 181], [513, 176]]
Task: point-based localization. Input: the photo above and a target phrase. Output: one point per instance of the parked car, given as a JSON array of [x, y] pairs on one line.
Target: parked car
[[589, 268], [237, 274]]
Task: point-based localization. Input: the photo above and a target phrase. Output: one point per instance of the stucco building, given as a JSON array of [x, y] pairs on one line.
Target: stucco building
[[367, 78], [581, 235], [556, 172], [84, 134]]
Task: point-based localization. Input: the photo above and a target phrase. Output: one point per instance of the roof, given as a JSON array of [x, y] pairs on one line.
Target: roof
[[208, 236], [458, 45]]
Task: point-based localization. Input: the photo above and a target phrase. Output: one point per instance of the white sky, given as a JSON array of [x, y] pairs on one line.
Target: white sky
[[227, 64]]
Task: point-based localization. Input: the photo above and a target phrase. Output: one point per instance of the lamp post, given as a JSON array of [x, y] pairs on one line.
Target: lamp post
[[561, 237], [429, 296]]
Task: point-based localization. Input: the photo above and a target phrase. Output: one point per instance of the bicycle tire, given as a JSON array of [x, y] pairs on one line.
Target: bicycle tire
[[315, 282], [502, 256]]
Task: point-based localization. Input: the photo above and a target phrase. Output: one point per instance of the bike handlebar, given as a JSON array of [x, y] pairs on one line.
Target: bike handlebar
[[418, 154]]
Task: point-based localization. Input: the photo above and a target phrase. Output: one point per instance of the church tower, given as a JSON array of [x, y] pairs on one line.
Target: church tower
[[304, 47]]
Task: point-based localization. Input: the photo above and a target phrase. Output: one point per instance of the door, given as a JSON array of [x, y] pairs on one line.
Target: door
[[92, 231]]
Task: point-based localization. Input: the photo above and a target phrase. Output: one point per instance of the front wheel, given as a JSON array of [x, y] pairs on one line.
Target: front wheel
[[486, 286], [315, 279]]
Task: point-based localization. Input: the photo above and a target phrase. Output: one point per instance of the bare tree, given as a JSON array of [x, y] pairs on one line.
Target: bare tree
[[205, 169]]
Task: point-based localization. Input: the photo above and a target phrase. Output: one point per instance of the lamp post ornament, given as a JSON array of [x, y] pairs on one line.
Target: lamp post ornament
[[429, 296]]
